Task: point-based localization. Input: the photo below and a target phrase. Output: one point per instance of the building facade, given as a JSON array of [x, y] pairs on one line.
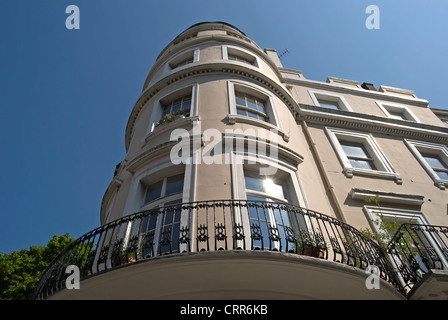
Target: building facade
[[245, 180]]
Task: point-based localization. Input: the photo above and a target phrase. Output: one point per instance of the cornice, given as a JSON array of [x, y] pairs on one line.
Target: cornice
[[370, 123], [335, 87]]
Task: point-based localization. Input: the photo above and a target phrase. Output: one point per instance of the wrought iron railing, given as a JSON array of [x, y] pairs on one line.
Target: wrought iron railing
[[215, 225], [415, 249]]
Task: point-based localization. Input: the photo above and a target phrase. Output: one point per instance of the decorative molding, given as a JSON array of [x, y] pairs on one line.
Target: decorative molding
[[371, 124], [387, 197], [342, 88]]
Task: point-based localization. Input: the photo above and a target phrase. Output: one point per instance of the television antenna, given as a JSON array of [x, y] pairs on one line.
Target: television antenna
[[283, 53]]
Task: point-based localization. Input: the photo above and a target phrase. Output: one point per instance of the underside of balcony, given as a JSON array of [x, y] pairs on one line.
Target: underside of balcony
[[233, 274]]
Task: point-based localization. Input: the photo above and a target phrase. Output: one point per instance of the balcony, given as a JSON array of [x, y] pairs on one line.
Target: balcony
[[419, 253], [231, 249]]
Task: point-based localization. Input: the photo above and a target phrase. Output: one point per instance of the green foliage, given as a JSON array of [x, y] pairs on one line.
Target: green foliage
[[21, 270], [386, 228]]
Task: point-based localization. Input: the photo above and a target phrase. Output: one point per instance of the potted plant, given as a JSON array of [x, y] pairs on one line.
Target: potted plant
[[310, 244], [401, 245], [170, 117]]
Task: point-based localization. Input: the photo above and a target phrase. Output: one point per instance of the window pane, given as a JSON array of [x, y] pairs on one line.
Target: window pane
[[362, 164], [434, 161], [154, 191], [186, 105], [176, 107], [328, 104], [241, 112], [174, 184], [240, 100], [251, 103], [253, 115], [261, 107], [354, 150], [442, 175], [253, 183], [397, 115], [177, 209], [274, 189]]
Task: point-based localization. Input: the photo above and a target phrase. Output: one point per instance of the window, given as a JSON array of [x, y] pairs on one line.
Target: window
[[180, 105], [328, 104], [165, 226], [166, 187], [397, 115], [267, 226], [182, 63], [397, 112], [254, 106], [434, 159], [359, 154], [240, 55], [171, 108], [436, 164], [266, 220], [329, 101], [238, 58], [184, 59], [250, 106]]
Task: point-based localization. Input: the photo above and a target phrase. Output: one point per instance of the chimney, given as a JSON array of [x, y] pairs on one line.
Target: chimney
[[368, 86]]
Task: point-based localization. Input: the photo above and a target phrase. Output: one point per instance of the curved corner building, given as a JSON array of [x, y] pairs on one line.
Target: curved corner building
[[244, 180]]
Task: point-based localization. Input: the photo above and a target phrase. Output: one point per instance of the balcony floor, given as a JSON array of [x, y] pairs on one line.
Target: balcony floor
[[230, 275]]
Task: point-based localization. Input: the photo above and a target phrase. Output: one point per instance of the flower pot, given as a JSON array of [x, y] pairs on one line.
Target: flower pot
[[313, 251]]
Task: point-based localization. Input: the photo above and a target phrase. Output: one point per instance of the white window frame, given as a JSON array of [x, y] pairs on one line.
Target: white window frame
[[158, 169], [245, 159], [340, 100], [407, 113], [440, 150], [233, 117], [373, 213], [173, 63], [246, 55], [383, 167], [157, 109]]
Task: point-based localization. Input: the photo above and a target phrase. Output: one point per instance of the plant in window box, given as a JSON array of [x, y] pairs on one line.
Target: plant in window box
[[170, 117]]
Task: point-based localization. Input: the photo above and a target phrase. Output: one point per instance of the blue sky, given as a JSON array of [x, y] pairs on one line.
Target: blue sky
[[66, 95]]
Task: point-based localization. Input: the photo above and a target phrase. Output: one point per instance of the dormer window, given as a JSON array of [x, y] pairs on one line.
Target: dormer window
[[184, 59], [239, 55], [329, 101], [397, 112]]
